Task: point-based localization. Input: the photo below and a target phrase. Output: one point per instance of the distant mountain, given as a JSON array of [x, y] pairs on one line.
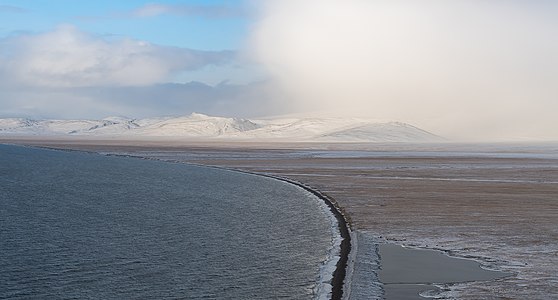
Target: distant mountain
[[381, 132], [196, 125], [201, 126]]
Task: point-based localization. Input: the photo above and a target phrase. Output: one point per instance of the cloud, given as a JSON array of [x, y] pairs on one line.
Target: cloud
[[67, 73], [247, 100], [463, 68], [207, 11], [68, 57]]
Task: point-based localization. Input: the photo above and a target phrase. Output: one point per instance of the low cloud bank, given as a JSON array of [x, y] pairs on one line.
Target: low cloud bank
[[68, 57], [465, 69], [68, 73]]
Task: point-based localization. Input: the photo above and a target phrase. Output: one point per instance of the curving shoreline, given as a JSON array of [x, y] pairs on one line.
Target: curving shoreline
[[344, 226], [342, 268], [426, 204]]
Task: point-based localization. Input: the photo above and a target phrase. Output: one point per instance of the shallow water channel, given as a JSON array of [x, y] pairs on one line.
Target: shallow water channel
[[407, 272]]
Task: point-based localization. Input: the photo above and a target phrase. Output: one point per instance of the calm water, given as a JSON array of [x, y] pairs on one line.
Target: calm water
[[85, 226]]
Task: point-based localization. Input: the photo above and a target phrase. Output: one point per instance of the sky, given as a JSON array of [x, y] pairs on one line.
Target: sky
[[464, 69], [92, 59]]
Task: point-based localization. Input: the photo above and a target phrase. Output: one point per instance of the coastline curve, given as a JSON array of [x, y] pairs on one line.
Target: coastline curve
[[344, 224], [344, 227]]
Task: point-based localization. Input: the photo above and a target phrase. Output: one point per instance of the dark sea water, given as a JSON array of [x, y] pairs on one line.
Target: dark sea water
[[84, 226]]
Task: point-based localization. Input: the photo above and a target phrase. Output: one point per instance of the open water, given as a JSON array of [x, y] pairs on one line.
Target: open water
[[84, 226]]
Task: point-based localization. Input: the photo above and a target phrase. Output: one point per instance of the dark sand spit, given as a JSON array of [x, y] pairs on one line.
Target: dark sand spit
[[495, 204]]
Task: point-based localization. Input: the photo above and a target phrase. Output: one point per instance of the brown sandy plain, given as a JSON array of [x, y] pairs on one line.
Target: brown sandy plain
[[497, 204]]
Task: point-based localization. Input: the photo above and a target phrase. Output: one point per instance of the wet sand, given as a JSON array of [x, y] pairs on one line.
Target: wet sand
[[492, 205]]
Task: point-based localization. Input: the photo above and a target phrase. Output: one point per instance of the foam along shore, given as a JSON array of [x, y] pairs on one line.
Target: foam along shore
[[333, 271], [339, 275], [407, 272], [335, 267]]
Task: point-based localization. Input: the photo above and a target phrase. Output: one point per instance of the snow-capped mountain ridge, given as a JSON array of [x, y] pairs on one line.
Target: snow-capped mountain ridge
[[201, 126]]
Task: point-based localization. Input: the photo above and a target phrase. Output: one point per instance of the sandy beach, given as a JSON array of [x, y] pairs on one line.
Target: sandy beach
[[494, 204]]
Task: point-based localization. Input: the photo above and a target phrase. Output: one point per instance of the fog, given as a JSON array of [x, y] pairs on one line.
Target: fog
[[471, 70]]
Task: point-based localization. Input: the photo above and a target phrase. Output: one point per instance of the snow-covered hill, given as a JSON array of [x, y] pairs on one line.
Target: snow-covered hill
[[197, 125], [207, 127]]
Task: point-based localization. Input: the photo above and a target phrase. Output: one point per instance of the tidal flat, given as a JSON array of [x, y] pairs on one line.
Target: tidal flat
[[496, 204]]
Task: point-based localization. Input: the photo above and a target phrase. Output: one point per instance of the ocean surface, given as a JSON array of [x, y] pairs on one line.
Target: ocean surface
[[84, 226]]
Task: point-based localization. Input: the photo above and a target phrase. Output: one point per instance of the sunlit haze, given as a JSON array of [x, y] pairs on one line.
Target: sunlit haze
[[461, 68]]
